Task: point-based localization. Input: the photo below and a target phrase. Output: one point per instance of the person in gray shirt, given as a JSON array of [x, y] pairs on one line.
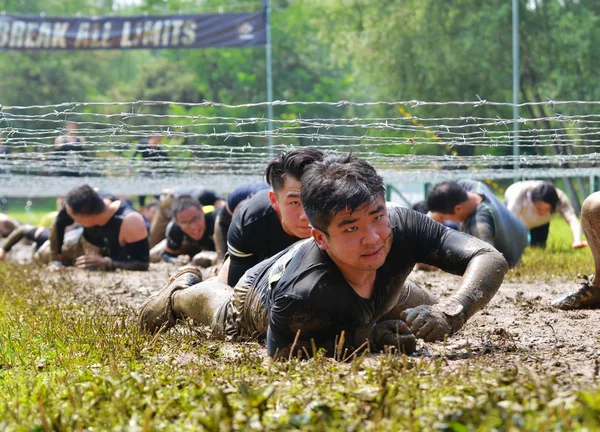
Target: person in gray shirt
[[476, 210]]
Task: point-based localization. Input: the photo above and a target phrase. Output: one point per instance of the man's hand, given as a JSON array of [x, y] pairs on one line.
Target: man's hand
[[393, 333], [2, 254], [92, 262], [429, 323], [579, 245]]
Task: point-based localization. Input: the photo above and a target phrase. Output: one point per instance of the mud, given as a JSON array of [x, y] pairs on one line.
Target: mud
[[518, 329]]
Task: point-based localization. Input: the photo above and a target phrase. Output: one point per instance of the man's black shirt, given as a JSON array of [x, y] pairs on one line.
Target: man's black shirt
[[175, 235], [310, 295], [255, 234]]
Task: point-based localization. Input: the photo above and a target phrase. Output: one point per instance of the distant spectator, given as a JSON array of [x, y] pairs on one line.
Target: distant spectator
[[150, 150], [68, 149]]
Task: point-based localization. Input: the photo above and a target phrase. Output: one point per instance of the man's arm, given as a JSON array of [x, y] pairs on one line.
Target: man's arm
[[567, 211], [482, 268], [57, 233], [14, 237], [174, 236]]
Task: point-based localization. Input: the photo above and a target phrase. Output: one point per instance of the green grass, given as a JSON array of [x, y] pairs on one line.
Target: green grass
[[557, 261], [19, 209], [72, 365]]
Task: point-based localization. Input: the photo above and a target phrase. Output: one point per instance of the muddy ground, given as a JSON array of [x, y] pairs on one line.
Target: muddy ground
[[518, 329]]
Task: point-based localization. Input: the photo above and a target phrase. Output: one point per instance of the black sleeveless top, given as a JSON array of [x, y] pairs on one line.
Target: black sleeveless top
[[106, 237]]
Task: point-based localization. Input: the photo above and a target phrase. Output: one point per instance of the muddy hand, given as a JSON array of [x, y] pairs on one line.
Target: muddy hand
[[427, 323], [91, 262], [394, 333]]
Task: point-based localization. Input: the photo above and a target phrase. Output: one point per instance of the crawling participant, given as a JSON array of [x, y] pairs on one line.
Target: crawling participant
[[272, 219], [535, 203], [112, 228], [163, 215], [476, 210], [38, 235], [350, 278], [190, 232]]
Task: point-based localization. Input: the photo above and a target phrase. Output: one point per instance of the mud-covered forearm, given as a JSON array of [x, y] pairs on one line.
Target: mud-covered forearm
[[16, 236], [479, 284]]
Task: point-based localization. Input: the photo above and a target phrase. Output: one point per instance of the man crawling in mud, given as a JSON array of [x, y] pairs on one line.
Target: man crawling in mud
[[349, 279], [114, 236]]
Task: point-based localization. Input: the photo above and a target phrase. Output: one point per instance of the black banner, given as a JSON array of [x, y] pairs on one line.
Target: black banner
[[25, 33]]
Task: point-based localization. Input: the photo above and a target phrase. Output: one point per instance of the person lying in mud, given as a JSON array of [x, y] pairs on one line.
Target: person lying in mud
[[114, 235], [238, 197], [207, 198], [587, 294], [190, 233], [476, 210], [37, 235], [271, 220], [535, 203], [348, 285]]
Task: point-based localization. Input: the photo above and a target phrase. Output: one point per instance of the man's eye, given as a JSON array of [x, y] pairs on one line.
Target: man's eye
[[378, 218], [295, 203], [351, 229]]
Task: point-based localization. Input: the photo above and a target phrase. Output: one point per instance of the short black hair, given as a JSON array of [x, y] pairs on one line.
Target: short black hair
[[443, 197], [545, 192], [421, 207], [84, 200], [292, 163], [335, 184], [182, 203]]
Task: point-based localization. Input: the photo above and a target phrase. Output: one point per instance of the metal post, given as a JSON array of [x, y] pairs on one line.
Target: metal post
[[269, 60], [516, 85]]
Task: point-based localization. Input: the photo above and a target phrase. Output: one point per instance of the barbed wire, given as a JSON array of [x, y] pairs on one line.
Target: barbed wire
[[221, 146]]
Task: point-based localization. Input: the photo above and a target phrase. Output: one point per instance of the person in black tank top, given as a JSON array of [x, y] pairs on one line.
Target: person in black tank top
[[347, 287], [115, 231]]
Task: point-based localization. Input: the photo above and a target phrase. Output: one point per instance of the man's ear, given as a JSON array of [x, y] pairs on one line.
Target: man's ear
[[273, 199], [321, 238], [458, 210]]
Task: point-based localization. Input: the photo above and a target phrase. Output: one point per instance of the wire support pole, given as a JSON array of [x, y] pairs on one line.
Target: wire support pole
[[269, 65], [516, 83]]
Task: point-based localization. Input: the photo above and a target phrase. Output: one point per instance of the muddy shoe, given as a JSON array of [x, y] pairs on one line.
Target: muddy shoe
[[587, 296], [158, 311]]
